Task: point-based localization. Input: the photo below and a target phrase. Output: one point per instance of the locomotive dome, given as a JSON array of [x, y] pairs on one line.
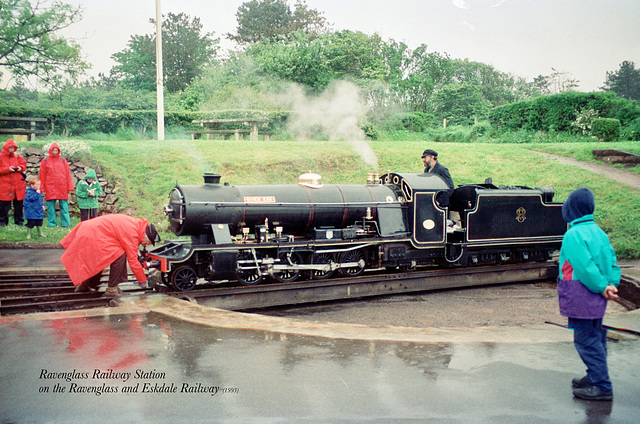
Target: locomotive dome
[[310, 180]]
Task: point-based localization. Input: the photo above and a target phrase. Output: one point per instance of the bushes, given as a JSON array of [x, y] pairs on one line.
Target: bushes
[[480, 130], [410, 121], [77, 122], [371, 131], [606, 129], [632, 131], [557, 112]]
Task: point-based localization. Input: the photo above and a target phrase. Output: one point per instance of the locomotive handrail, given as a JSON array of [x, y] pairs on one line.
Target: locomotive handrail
[[257, 204]]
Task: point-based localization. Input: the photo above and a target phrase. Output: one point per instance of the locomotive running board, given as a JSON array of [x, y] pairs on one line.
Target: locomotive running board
[[279, 294]]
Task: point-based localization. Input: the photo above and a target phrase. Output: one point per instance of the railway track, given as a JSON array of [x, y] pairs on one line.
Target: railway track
[[27, 293], [33, 291]]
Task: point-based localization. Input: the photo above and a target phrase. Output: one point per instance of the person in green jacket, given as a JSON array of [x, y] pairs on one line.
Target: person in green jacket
[[87, 192], [589, 277]]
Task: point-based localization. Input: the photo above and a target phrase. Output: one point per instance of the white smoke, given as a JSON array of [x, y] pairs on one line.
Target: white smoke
[[335, 113]]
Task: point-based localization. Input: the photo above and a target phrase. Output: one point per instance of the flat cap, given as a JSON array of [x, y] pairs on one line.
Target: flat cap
[[430, 152], [152, 234]]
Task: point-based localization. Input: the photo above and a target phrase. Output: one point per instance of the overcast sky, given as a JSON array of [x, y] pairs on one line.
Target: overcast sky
[[585, 38]]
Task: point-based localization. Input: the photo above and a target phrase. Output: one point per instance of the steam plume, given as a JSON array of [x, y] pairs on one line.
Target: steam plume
[[334, 113]]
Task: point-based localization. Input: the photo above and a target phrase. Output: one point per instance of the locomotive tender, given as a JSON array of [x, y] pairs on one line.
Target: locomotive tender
[[284, 232]]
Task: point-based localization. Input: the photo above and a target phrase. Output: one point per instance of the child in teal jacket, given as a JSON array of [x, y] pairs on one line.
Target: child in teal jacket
[[589, 277], [87, 192]]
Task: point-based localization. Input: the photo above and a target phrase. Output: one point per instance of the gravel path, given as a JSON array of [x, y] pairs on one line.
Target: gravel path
[[630, 179], [508, 305]]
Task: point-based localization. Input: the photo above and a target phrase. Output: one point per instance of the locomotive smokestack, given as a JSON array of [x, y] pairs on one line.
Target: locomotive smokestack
[[211, 178]]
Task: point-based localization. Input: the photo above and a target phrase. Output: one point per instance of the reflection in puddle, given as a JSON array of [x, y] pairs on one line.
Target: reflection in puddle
[[163, 369]]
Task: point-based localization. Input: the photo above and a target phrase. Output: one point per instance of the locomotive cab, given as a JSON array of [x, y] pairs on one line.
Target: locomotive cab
[[427, 219], [518, 222]]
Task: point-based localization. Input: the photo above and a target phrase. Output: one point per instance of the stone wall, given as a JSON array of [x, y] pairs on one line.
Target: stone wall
[[108, 200]]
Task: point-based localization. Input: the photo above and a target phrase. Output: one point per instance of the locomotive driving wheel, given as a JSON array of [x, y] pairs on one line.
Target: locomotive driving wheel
[[321, 258], [352, 256], [183, 278], [287, 275], [249, 275]]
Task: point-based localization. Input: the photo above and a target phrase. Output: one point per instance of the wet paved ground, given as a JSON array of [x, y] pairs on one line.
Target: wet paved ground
[[54, 370], [157, 360]]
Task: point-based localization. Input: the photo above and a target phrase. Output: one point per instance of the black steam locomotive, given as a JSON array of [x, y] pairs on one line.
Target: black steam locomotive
[[285, 232]]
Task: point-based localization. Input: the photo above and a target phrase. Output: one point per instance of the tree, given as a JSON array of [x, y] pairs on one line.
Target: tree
[[625, 82], [561, 82], [497, 87], [424, 72], [541, 85], [460, 103], [310, 21], [185, 54], [271, 20], [316, 62], [137, 63], [30, 46], [557, 82]]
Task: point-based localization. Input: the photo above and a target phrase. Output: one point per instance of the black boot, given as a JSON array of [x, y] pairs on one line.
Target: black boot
[[592, 393], [579, 383]]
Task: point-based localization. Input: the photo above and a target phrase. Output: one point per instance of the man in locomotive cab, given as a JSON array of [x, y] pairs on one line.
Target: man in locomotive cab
[[431, 164]]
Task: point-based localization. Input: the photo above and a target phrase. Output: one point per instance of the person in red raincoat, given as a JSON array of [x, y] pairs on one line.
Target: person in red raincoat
[[12, 184], [108, 240], [56, 180]]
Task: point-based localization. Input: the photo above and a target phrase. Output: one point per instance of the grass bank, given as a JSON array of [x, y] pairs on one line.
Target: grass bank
[[145, 172]]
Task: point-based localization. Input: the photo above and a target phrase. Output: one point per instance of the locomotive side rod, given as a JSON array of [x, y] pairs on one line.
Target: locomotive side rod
[[269, 295]]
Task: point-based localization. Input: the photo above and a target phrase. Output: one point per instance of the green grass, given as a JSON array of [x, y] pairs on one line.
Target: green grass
[[146, 171], [14, 233]]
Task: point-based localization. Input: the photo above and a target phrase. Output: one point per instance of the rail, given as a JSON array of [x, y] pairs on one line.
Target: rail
[[29, 292]]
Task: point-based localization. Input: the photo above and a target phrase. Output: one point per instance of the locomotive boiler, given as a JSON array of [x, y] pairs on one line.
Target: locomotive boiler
[[313, 230]]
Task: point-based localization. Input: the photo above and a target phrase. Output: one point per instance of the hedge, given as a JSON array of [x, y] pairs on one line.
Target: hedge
[[74, 122], [606, 129], [556, 112]]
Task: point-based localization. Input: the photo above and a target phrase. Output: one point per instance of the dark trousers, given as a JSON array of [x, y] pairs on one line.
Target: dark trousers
[[117, 274], [5, 207], [86, 214], [33, 223], [590, 340]]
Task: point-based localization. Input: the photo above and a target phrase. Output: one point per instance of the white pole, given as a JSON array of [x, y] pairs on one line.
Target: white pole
[[159, 74]]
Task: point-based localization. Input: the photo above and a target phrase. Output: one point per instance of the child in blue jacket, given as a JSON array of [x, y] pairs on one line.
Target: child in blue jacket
[[589, 277], [34, 207]]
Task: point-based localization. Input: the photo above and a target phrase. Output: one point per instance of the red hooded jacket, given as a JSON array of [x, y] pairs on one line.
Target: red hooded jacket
[[55, 175], [12, 186], [94, 244]]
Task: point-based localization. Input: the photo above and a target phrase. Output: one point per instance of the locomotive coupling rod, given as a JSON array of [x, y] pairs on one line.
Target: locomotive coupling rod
[[331, 266]]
